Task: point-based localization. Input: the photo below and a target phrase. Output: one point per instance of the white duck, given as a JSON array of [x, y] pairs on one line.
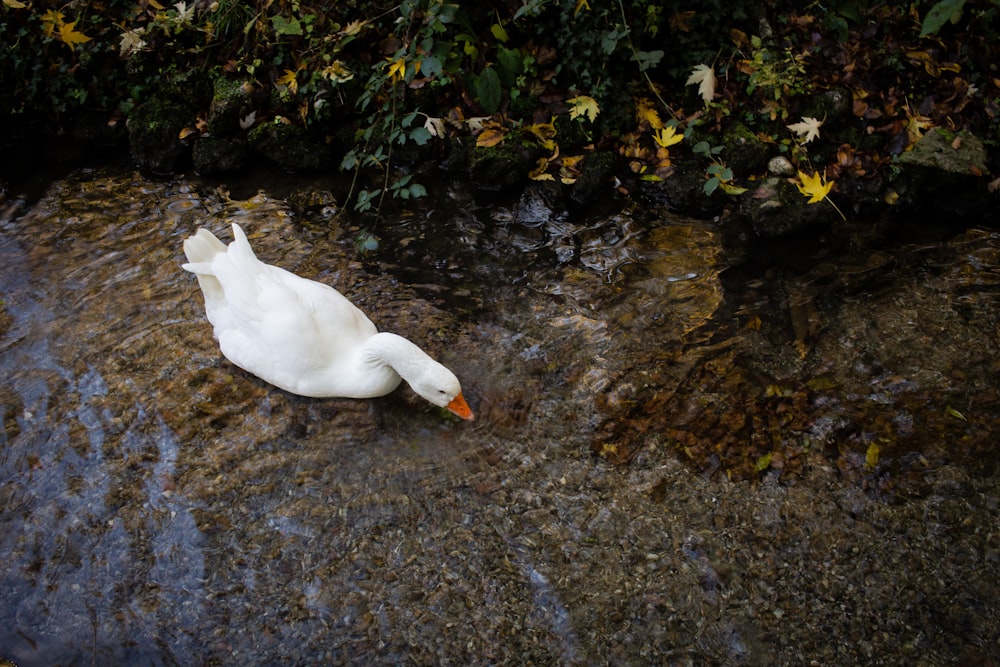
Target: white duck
[[304, 336]]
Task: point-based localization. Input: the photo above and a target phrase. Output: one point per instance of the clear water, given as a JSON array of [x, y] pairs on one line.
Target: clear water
[[159, 506]]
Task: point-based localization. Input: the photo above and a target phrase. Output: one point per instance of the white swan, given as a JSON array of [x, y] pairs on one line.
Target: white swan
[[304, 336]]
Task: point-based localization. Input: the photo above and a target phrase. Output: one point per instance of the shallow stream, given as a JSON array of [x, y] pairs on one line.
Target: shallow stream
[[688, 450]]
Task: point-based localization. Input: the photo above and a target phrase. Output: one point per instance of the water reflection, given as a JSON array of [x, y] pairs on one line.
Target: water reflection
[[159, 506]]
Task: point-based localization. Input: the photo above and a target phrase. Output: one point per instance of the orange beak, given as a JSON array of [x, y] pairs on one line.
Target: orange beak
[[461, 408]]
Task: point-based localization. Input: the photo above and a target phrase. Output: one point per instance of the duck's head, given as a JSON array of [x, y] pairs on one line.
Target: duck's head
[[425, 376], [440, 386]]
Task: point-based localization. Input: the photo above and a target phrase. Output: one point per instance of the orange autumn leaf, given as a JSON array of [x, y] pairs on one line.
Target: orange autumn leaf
[[490, 137]]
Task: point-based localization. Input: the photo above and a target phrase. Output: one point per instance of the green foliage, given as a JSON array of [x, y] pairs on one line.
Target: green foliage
[[717, 173], [941, 13], [382, 80], [779, 73], [488, 90]]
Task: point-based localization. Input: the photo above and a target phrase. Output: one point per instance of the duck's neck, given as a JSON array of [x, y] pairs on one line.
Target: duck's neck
[[403, 357]]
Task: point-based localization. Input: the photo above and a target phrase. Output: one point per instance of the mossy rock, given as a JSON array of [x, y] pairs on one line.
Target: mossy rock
[[308, 199], [290, 146], [153, 134], [948, 153], [212, 155], [776, 208], [594, 182], [944, 173], [500, 167], [229, 104], [743, 152], [571, 133]]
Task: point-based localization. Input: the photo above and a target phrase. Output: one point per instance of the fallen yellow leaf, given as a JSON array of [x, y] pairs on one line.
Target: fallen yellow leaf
[[645, 111], [337, 71], [815, 187], [397, 69], [539, 172], [289, 81], [545, 133], [51, 20], [582, 105], [490, 137], [872, 455], [70, 36], [667, 136]]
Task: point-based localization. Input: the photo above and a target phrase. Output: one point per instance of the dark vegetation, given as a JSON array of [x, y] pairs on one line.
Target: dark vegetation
[[379, 86]]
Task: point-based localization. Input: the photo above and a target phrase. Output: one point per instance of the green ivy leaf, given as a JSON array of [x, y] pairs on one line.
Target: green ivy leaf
[[647, 59], [609, 41]]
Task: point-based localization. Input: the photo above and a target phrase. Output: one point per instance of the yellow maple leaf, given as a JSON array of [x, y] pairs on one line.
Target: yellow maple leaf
[[581, 5], [667, 136], [289, 81], [815, 187], [582, 105], [70, 36], [645, 111], [14, 4]]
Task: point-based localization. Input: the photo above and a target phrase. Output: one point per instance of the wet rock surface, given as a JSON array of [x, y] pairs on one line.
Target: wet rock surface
[[158, 505]]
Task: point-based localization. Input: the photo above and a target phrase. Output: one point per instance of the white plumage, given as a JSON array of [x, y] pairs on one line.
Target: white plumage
[[304, 336]]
